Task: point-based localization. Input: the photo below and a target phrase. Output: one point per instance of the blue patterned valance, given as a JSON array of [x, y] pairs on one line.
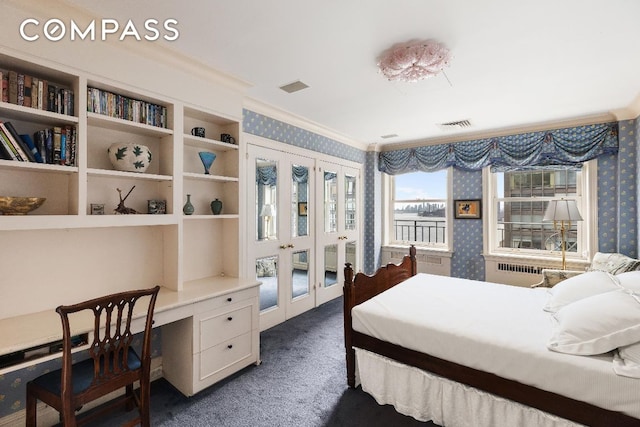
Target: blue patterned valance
[[568, 147]]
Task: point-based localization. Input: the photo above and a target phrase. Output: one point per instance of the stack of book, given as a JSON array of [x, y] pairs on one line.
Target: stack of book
[[122, 107], [55, 145], [23, 89]]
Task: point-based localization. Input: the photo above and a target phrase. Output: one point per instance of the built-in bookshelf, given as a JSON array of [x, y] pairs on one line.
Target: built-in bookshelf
[[82, 195]]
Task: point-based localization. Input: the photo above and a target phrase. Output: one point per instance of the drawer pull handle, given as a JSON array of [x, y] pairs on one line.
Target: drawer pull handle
[[229, 299], [230, 346], [229, 318]]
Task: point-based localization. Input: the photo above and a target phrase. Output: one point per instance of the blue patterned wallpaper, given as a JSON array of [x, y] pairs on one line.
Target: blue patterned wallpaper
[[627, 188], [467, 261], [617, 194], [266, 127]]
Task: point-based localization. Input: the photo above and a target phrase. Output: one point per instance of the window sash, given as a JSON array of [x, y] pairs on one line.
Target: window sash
[[543, 240], [427, 231]]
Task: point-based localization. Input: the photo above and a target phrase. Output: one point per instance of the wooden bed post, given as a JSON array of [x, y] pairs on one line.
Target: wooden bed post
[[349, 302]]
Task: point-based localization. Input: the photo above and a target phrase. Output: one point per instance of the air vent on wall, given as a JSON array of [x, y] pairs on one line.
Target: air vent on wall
[[390, 135], [294, 87], [458, 124]]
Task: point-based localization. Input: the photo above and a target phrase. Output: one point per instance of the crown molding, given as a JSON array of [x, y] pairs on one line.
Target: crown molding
[[158, 51], [301, 122]]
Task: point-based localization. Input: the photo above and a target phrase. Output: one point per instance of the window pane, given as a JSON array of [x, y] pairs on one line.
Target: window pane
[[266, 199], [267, 273], [330, 201], [523, 199], [420, 207]]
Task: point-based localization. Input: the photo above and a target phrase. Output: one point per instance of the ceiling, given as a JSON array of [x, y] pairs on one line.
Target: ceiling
[[514, 64]]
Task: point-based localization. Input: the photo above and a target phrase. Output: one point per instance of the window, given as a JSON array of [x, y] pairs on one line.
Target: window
[[419, 208], [517, 202]]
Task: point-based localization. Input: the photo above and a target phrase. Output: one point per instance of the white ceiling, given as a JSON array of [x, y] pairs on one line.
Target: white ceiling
[[515, 64]]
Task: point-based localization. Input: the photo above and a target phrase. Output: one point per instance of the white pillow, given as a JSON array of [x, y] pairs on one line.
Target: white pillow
[[626, 361], [630, 280], [597, 324], [579, 287]]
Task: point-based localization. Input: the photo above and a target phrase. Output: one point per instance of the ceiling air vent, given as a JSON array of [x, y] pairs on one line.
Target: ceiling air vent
[[294, 87], [390, 135], [458, 124]]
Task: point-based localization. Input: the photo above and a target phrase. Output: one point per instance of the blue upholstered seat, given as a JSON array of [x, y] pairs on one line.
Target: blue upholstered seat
[[82, 374]]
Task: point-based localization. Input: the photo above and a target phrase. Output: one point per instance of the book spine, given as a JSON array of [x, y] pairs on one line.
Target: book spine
[[20, 89], [26, 91], [32, 147], [5, 87], [26, 152], [57, 144], [16, 148], [13, 87], [34, 92], [5, 148]]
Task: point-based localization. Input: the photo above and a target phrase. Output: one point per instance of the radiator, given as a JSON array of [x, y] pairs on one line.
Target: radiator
[[515, 273], [431, 263]]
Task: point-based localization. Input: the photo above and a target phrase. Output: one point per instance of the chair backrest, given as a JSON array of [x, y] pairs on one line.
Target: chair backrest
[[112, 338]]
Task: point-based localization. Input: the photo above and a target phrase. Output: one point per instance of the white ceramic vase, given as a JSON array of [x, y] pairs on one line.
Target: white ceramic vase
[[129, 157]]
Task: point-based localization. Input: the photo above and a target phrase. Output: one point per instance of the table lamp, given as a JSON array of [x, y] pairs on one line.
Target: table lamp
[[562, 212]]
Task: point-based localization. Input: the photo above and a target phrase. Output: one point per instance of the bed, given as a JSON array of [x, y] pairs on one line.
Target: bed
[[484, 379]]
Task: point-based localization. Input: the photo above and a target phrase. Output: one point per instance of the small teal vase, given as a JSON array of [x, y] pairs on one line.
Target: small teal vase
[[216, 207], [207, 159], [188, 208]]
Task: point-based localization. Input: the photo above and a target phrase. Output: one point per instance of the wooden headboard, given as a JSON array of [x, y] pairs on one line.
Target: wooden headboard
[[360, 288]]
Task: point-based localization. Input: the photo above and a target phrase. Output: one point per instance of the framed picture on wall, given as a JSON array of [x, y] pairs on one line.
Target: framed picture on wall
[[467, 209], [302, 208]]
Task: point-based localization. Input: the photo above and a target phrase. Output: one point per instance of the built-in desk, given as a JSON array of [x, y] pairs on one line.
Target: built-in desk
[[210, 330]]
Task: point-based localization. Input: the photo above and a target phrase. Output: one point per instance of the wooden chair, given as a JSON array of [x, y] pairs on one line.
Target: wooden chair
[[113, 363]]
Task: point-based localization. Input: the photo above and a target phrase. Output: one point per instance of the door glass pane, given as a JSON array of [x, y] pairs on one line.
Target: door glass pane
[[351, 254], [330, 265], [300, 274], [299, 200], [267, 273], [266, 199], [330, 201], [349, 202]]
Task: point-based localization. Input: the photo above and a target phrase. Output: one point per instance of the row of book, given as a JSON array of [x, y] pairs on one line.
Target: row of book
[[56, 146], [29, 91], [123, 107]]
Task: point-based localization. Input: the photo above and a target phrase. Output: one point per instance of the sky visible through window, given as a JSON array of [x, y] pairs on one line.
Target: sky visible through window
[[421, 185]]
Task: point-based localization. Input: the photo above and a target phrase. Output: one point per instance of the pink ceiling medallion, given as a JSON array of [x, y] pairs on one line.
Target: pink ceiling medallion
[[414, 60]]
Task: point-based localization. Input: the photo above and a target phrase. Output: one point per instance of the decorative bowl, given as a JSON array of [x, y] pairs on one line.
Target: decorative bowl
[[129, 157], [19, 205]]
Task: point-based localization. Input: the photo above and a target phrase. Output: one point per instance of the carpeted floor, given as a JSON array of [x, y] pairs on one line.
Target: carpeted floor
[[301, 382]]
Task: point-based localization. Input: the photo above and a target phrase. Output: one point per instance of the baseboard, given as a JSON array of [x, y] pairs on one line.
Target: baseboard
[[47, 416]]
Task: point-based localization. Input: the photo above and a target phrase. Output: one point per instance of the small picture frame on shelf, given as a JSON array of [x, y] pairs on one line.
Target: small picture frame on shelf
[[157, 207], [467, 209], [302, 208], [97, 208]]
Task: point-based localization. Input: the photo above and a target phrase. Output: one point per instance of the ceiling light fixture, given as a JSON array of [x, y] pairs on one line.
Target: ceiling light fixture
[[414, 60]]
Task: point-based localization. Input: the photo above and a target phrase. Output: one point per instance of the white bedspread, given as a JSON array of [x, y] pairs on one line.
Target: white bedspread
[[495, 328]]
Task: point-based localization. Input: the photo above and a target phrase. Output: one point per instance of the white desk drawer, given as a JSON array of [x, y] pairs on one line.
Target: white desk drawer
[[219, 328], [225, 300], [225, 354]]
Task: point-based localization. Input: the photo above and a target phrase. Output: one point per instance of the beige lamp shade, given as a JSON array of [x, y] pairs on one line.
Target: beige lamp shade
[[562, 210]]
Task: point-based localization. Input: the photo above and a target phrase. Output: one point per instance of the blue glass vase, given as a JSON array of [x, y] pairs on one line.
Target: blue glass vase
[[207, 159]]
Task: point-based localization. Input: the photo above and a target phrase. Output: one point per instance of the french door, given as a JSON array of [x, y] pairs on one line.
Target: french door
[[337, 226], [281, 232]]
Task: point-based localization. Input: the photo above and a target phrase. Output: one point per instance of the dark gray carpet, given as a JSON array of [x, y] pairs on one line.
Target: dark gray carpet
[[301, 382]]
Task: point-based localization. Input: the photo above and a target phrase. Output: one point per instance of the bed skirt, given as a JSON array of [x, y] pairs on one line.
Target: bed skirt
[[428, 397]]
